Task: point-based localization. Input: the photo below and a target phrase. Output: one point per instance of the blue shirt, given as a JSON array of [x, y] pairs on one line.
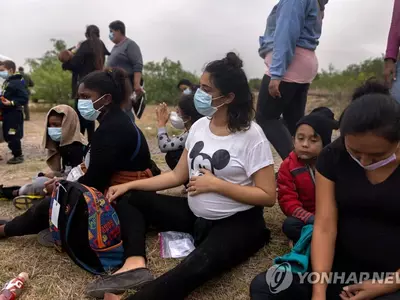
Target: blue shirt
[[291, 24]]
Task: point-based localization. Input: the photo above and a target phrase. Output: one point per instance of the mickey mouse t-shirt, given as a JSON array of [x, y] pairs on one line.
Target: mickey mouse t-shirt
[[233, 158]]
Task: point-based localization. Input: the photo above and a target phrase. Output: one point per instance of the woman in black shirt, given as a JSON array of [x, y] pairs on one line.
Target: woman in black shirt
[[89, 57], [356, 230], [118, 152]]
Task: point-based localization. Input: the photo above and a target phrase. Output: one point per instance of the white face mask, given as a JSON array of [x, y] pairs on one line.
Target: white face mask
[[176, 121], [378, 164]]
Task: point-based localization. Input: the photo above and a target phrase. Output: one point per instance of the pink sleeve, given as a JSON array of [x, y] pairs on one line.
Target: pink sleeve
[[393, 44]]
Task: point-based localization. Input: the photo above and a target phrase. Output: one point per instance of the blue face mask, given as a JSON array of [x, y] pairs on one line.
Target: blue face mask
[[87, 110], [54, 133], [111, 36], [4, 74], [203, 103]]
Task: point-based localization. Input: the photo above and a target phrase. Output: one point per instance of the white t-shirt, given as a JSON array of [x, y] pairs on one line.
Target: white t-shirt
[[233, 158]]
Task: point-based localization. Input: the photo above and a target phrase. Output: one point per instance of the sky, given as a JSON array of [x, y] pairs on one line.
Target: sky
[[192, 31]]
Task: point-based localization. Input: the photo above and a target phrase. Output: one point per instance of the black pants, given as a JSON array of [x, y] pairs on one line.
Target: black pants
[[292, 228], [13, 130], [27, 112], [259, 290], [32, 221], [172, 158], [291, 106], [220, 245]]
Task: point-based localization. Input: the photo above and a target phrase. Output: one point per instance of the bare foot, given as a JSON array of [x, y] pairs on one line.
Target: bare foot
[[132, 263], [108, 296]]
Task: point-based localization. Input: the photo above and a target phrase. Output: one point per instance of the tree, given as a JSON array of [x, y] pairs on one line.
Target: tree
[[255, 84], [161, 79], [52, 84], [353, 76]]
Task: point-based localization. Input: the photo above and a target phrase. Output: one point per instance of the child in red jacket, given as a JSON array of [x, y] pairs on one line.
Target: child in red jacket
[[296, 184]]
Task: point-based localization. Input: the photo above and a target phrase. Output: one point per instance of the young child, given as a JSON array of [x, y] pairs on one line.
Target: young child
[[296, 184], [65, 150], [14, 97]]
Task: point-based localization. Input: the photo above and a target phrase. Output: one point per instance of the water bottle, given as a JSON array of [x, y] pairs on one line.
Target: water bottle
[[14, 287]]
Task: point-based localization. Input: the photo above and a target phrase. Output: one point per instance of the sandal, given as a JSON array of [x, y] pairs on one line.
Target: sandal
[[25, 202], [45, 238]]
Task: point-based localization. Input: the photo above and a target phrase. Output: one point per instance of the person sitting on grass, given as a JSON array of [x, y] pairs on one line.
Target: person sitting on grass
[[296, 178], [229, 163], [184, 117], [65, 150], [112, 158], [356, 229]]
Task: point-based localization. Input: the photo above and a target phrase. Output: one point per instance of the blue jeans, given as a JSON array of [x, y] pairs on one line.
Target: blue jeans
[[395, 91]]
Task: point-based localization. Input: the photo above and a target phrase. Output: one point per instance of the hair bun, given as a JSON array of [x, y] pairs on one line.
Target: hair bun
[[233, 60]]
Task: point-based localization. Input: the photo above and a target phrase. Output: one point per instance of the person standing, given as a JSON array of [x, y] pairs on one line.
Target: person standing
[[14, 96], [89, 57], [392, 53], [126, 54], [288, 50], [29, 84]]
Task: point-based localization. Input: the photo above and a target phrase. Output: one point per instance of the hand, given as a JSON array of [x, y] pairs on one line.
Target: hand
[[50, 185], [5, 101], [162, 115], [116, 191], [138, 91], [204, 183], [274, 88], [389, 72], [368, 290]]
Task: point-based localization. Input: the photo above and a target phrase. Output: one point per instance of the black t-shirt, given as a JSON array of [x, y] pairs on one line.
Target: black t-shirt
[[368, 232], [111, 150], [71, 155]]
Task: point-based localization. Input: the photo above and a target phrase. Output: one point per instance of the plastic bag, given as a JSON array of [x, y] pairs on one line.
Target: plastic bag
[[176, 244]]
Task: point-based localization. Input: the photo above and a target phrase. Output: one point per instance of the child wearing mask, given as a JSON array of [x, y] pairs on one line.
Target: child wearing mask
[[182, 119], [296, 176], [13, 98], [65, 150]]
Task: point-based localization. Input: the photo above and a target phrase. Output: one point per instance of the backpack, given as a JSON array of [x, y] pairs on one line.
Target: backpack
[[85, 225]]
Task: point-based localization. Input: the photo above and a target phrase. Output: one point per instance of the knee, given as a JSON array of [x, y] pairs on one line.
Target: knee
[[259, 287]]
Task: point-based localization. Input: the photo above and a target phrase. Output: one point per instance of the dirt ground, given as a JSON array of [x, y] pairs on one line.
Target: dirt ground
[[54, 275]]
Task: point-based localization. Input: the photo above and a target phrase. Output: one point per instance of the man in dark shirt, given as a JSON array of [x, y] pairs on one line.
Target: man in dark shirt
[[126, 55], [14, 97], [28, 84]]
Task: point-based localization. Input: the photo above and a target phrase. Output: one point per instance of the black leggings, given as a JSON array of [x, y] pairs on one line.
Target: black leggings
[[34, 220], [269, 110], [220, 245]]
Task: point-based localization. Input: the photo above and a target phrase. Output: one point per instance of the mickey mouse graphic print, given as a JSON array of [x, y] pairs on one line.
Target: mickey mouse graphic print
[[233, 158]]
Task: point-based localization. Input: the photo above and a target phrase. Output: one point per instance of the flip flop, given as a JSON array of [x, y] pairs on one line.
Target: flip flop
[[25, 202], [45, 238]]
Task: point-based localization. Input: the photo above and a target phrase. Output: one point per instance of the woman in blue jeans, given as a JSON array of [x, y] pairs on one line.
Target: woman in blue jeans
[[356, 225]]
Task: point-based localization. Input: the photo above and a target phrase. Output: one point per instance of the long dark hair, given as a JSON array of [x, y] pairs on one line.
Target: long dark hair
[[186, 105], [96, 45], [228, 76], [113, 81]]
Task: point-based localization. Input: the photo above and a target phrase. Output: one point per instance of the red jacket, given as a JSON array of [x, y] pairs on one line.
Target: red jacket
[[296, 189]]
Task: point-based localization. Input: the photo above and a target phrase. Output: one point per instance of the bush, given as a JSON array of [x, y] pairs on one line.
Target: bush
[[52, 84]]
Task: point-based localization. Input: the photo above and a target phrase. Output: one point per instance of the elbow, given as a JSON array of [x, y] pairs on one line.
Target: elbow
[[269, 199]]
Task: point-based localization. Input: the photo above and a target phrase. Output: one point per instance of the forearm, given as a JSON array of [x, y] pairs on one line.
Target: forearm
[[158, 183], [393, 44], [166, 144], [137, 76], [250, 195], [322, 252]]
